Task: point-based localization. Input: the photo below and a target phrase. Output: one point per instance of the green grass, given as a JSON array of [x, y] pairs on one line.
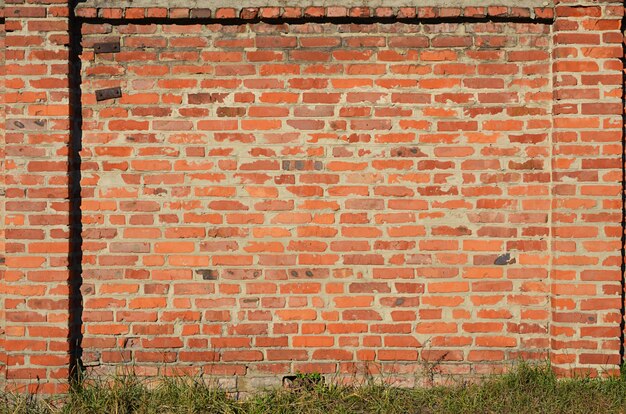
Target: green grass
[[528, 389]]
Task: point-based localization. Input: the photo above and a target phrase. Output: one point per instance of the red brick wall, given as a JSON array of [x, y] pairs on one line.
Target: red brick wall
[[36, 215], [587, 184], [340, 190], [3, 355], [329, 196]]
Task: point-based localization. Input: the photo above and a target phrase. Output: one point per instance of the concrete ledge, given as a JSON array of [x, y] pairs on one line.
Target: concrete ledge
[[298, 9]]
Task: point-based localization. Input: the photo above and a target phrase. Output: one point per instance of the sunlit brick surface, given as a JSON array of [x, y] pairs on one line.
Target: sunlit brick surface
[[418, 192], [283, 197]]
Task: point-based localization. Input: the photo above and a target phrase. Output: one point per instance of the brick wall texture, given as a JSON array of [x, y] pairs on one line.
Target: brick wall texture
[[349, 191]]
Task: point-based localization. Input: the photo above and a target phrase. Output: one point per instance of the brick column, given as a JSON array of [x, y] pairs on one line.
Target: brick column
[[587, 174], [36, 223], [3, 355]]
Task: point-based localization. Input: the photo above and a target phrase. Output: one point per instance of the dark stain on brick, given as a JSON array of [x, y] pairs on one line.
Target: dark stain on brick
[[407, 152], [230, 112], [504, 259], [208, 274], [534, 164], [205, 98], [302, 165], [131, 342], [24, 123]]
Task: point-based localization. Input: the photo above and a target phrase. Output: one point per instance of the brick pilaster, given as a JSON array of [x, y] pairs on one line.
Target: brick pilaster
[[36, 223], [586, 191]]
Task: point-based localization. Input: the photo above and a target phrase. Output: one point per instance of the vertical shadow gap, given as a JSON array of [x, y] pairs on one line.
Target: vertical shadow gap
[[75, 255]]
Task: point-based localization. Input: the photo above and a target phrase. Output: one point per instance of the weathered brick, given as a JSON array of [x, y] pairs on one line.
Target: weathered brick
[[371, 187]]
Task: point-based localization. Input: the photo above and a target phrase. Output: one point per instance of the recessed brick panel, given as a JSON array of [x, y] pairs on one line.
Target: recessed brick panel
[[348, 189]]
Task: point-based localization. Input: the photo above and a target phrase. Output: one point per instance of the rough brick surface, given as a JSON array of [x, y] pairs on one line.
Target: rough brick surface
[[586, 217], [356, 194], [36, 206], [274, 196], [3, 355], [133, 10]]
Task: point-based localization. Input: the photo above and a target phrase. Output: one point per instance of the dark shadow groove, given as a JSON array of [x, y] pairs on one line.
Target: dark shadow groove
[[623, 241], [75, 256], [319, 20]]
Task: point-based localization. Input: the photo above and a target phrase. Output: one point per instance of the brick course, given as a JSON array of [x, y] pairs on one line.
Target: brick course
[[323, 190]]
